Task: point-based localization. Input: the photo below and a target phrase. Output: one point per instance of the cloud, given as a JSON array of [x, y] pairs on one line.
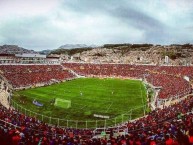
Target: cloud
[[123, 13], [25, 8], [43, 33], [47, 24]]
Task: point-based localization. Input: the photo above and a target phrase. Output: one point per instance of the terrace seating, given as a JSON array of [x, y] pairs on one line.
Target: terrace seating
[[171, 86], [170, 79], [173, 123], [31, 75], [161, 126]]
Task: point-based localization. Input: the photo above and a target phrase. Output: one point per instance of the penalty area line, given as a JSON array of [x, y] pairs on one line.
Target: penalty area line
[[109, 107]]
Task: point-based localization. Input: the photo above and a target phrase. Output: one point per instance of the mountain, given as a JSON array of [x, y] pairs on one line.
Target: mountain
[[71, 46], [45, 52], [14, 49], [178, 54], [71, 49]]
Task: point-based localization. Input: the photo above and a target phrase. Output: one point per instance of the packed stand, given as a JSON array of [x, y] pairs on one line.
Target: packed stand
[[171, 86], [168, 78], [106, 70], [30, 75], [172, 125]]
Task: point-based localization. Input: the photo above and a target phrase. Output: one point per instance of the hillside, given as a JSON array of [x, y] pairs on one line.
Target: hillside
[[72, 46], [14, 49], [131, 53], [117, 53]]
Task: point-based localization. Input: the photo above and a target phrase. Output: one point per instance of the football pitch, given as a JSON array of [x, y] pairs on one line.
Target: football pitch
[[86, 99]]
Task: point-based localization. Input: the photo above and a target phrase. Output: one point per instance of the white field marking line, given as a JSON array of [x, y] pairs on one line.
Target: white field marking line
[[83, 107], [141, 95], [109, 107]]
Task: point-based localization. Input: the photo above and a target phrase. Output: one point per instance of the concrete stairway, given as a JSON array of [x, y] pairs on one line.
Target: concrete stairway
[[73, 72], [4, 98]]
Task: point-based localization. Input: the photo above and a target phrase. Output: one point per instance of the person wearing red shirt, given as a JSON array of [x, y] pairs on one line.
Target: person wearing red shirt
[[169, 140], [15, 139]]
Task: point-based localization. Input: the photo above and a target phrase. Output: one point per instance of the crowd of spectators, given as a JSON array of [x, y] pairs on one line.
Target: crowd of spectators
[[106, 70], [170, 79], [171, 86], [175, 70], [172, 125], [125, 69], [30, 75]]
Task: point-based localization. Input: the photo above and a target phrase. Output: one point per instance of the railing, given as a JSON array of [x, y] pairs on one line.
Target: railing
[[102, 123], [49, 134]]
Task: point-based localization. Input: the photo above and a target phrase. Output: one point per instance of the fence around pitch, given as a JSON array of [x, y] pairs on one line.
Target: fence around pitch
[[102, 123]]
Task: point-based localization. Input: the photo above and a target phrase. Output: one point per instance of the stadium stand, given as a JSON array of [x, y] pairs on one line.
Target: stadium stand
[[170, 85], [31, 75], [172, 125], [168, 126], [169, 79]]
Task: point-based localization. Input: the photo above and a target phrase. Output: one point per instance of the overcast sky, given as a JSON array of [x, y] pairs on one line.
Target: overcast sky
[[48, 24]]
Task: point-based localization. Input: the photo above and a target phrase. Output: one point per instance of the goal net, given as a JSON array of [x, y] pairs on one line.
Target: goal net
[[62, 103]]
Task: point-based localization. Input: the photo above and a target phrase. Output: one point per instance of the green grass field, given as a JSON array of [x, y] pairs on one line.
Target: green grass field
[[88, 96]]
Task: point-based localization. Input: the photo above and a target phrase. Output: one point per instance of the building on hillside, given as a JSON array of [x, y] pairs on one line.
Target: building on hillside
[[53, 59], [27, 58], [7, 58]]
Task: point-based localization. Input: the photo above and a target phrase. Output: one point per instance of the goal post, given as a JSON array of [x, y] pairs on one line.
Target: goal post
[[62, 103]]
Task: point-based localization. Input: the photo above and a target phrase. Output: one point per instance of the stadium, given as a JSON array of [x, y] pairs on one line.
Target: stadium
[[96, 72], [95, 101]]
